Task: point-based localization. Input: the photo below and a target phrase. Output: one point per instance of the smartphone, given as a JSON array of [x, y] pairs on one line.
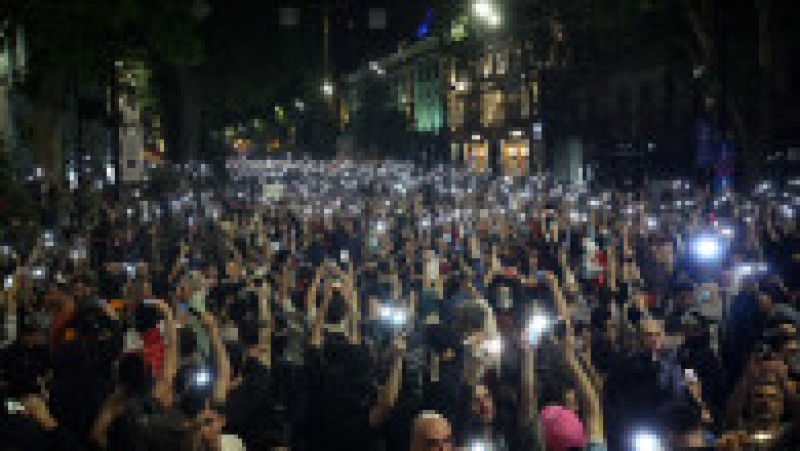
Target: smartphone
[[690, 375], [9, 282], [344, 256], [14, 406], [149, 301], [101, 303], [433, 268], [130, 268], [37, 273]]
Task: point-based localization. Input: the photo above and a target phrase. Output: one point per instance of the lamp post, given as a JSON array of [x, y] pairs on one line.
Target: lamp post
[[486, 11]]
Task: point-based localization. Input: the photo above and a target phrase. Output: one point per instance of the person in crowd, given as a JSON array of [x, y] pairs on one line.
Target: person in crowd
[[385, 307]]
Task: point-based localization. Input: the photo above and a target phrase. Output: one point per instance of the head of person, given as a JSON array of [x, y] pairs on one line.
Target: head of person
[[652, 335], [561, 428], [431, 432], [766, 401]]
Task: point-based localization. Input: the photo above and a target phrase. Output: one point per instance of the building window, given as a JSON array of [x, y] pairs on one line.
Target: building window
[[502, 63], [492, 108], [289, 17], [377, 19], [524, 103], [457, 109], [535, 92], [487, 65]]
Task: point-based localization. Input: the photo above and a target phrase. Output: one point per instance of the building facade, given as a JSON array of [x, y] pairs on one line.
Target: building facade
[[469, 101]]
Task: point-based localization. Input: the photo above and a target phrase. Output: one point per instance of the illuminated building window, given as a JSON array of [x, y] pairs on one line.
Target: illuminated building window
[[492, 108], [524, 103], [457, 108], [535, 90], [502, 63], [487, 65]]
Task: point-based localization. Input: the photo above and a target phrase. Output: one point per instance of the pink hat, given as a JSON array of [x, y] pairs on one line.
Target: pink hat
[[562, 429]]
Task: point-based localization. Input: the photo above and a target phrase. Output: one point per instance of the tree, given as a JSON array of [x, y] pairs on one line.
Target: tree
[[379, 127], [80, 40], [317, 129]]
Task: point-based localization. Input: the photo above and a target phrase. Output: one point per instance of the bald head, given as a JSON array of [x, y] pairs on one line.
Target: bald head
[[431, 432]]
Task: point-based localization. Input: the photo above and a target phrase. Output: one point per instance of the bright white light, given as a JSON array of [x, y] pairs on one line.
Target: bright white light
[[479, 445], [483, 9], [726, 231], [647, 441], [707, 248], [110, 173], [493, 346], [744, 270], [495, 20], [327, 88], [202, 378], [399, 317], [762, 436], [537, 327], [652, 223]]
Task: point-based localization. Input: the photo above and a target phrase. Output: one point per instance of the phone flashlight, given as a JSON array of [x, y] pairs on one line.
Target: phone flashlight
[[761, 436], [14, 406], [707, 248], [493, 346], [201, 378], [37, 273], [646, 440], [537, 327], [726, 231]]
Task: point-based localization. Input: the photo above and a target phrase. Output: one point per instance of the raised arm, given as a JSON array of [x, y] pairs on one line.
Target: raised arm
[[265, 326], [222, 362], [388, 392], [319, 322], [311, 297], [588, 391], [165, 380]]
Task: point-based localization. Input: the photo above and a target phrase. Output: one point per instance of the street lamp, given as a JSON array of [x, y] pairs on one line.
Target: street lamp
[[486, 11], [327, 88]]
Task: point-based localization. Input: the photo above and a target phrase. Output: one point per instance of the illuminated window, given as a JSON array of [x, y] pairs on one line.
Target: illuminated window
[[535, 90], [492, 108], [524, 103], [487, 65], [502, 63], [456, 112]]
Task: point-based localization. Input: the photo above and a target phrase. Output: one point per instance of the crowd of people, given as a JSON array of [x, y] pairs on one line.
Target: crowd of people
[[342, 306]]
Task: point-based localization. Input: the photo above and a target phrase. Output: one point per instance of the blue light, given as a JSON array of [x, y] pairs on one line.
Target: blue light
[[707, 248], [424, 28]]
